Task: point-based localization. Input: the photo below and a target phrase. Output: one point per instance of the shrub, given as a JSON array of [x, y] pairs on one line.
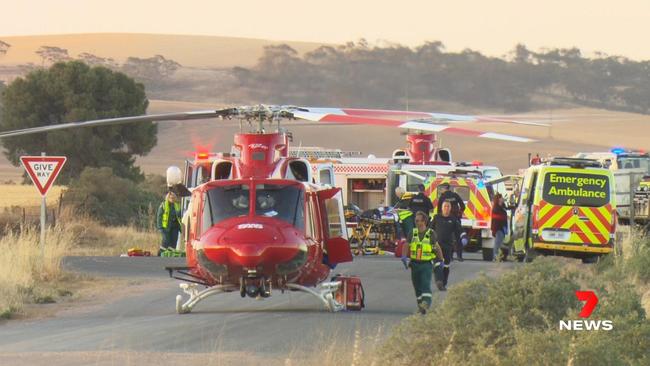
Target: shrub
[[514, 320], [113, 200]]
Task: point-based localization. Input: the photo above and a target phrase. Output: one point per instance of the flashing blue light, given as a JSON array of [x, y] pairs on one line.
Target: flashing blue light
[[618, 150], [480, 184]]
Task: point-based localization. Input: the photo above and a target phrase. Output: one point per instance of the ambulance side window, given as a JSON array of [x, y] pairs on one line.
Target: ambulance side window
[[523, 193]]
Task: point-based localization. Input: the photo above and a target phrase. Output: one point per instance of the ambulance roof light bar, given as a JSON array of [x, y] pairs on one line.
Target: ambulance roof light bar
[[576, 162]]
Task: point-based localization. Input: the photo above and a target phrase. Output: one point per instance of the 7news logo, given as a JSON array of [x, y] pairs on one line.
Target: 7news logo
[[591, 300]]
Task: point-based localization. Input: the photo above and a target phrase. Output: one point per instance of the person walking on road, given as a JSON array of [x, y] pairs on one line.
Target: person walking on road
[[499, 224], [448, 230], [457, 209], [457, 203], [168, 222], [419, 256]]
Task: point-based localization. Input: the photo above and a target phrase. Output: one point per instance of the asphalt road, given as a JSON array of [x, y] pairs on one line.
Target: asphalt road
[[285, 323]]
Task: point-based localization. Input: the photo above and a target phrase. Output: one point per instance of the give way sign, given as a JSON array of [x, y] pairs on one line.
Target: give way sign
[[43, 170]]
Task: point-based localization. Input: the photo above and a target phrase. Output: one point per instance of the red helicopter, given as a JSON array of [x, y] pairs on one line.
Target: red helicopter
[[260, 221]]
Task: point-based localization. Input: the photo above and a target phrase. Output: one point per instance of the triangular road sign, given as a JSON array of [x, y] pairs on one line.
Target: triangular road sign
[[43, 170]]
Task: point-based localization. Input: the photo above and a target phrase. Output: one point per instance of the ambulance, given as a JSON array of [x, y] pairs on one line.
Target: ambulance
[[566, 207], [630, 169], [477, 194]]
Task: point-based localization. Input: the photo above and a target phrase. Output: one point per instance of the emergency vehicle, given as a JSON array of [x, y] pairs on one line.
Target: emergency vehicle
[[626, 165], [477, 195], [489, 173], [566, 207]]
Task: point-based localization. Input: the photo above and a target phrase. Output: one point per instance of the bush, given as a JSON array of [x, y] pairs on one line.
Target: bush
[[113, 200], [514, 320]]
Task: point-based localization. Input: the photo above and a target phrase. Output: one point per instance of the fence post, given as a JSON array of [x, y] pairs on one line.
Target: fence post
[[632, 188], [60, 202]]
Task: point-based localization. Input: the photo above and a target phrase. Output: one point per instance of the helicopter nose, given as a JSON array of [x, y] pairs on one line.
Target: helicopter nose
[[254, 246]]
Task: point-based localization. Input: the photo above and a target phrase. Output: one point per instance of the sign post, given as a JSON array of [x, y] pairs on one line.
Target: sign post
[[43, 171]]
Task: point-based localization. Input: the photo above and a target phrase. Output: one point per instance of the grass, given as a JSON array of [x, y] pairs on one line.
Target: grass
[[94, 238], [514, 319], [26, 195], [25, 275], [28, 278]]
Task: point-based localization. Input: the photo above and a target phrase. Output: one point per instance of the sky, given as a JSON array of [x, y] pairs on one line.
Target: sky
[[491, 26]]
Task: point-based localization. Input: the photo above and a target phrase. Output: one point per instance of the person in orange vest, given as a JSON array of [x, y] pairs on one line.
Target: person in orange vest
[[168, 221]]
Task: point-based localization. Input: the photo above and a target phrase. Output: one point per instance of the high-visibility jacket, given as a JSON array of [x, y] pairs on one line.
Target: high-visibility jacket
[[422, 250], [404, 214], [164, 212]]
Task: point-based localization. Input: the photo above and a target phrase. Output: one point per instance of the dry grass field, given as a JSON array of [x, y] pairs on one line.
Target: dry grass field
[[189, 51], [26, 195]]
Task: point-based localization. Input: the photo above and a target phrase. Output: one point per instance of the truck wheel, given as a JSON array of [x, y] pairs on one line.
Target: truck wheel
[[590, 259], [487, 254]]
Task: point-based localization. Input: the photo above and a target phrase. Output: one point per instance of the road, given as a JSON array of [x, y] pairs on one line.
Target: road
[[283, 324]]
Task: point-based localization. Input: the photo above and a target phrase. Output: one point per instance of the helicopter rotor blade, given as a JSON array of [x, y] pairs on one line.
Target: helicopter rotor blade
[[311, 115], [434, 117], [122, 120]]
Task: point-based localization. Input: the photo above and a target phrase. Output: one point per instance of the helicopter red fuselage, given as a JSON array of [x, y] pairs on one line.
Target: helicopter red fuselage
[[249, 228]]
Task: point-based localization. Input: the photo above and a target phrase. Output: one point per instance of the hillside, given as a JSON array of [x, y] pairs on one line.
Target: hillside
[[189, 51]]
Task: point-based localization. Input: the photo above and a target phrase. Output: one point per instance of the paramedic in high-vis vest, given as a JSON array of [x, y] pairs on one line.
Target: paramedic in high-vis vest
[[169, 221], [419, 255]]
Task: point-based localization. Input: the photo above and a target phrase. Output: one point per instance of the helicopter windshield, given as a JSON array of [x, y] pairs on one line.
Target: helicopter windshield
[[228, 201], [284, 202]]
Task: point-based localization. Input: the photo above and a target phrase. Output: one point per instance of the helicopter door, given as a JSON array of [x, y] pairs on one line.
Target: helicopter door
[[189, 174], [187, 182], [333, 223]]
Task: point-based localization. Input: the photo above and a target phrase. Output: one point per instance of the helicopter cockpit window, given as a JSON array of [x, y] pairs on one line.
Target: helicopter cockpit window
[[229, 201], [281, 202]]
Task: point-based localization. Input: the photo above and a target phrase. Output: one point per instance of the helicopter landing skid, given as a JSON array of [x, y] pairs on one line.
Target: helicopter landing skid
[[325, 293], [196, 295]]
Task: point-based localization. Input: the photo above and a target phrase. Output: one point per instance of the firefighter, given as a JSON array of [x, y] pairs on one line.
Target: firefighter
[[169, 222], [420, 202], [419, 256], [448, 229]]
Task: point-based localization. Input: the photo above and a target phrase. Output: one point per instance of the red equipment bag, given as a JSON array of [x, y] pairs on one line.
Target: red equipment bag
[[399, 247], [350, 293]]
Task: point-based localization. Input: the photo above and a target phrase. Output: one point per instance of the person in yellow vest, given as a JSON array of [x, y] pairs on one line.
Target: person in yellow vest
[[405, 215], [420, 254], [168, 221]]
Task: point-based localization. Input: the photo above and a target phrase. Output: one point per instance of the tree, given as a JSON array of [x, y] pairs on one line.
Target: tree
[[93, 60], [73, 91], [150, 69], [4, 48], [52, 54], [2, 87]]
